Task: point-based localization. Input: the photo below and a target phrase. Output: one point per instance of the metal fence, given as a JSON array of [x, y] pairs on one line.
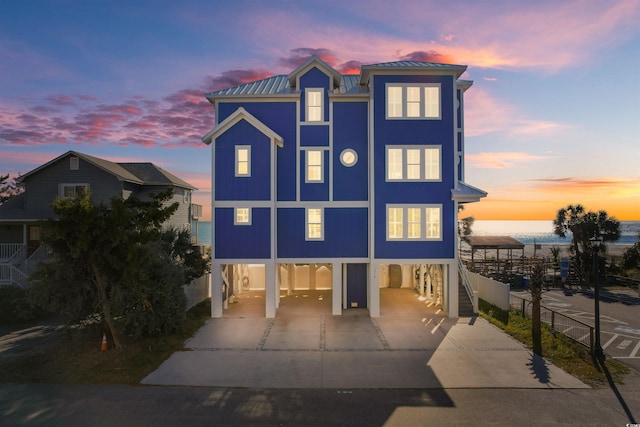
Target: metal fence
[[574, 329]]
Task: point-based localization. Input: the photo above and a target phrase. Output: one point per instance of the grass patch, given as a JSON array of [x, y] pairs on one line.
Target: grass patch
[[74, 357], [560, 350]]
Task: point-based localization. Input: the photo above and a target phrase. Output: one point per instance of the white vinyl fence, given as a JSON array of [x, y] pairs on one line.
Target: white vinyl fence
[[198, 290], [492, 291]]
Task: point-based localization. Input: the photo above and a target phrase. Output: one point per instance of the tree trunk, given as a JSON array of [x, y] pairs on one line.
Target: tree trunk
[[536, 331], [105, 306], [537, 282]]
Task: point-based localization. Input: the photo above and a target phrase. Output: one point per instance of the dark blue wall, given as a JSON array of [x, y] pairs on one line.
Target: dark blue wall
[[314, 78], [281, 118], [350, 130], [345, 234], [314, 191], [314, 135], [242, 241], [254, 187], [415, 132]]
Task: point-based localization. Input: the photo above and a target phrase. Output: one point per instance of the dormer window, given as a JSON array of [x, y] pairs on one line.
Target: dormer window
[[314, 100], [413, 101]]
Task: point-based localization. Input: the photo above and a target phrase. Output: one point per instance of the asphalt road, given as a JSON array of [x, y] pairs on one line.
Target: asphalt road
[[619, 322], [117, 405]]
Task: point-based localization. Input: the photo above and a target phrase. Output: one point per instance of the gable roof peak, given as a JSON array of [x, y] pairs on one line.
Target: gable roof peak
[[315, 61]]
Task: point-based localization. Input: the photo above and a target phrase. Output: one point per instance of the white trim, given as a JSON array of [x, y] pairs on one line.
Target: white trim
[[236, 220], [405, 222], [307, 151], [422, 101], [235, 117], [239, 148], [323, 203], [63, 185], [421, 165], [313, 90], [307, 223], [344, 153]]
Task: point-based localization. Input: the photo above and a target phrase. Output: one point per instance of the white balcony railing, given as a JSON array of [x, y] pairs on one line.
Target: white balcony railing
[[196, 211]]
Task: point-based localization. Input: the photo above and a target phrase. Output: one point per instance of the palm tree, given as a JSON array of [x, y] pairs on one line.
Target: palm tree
[[584, 226]]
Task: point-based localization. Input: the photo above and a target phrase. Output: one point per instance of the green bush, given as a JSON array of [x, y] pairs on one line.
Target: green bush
[[15, 307]]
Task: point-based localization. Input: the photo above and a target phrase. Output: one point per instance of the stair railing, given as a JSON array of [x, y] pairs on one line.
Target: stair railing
[[471, 293]]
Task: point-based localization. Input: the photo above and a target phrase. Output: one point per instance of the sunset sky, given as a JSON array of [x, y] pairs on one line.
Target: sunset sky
[[553, 116]]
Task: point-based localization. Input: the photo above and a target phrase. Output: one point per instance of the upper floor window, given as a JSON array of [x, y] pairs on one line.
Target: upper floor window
[[68, 191], [414, 222], [314, 166], [74, 163], [314, 105], [242, 216], [315, 224], [413, 101], [243, 160], [413, 163]]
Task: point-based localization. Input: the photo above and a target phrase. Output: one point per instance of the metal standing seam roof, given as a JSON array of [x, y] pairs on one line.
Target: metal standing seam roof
[[280, 85], [349, 84], [493, 242]]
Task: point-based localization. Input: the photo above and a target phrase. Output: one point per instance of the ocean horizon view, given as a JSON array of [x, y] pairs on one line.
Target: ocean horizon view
[[527, 232]]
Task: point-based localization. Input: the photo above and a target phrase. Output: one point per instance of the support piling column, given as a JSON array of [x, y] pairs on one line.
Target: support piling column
[[270, 290], [336, 288], [216, 290]]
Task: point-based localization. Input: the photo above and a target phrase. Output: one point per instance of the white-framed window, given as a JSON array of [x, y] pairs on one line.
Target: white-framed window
[[433, 219], [243, 160], [348, 157], [314, 101], [394, 164], [413, 101], [315, 169], [70, 190], [242, 216], [414, 163], [314, 224], [414, 222], [395, 229]]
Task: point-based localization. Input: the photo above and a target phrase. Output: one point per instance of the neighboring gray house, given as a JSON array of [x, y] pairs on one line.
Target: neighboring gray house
[[64, 176]]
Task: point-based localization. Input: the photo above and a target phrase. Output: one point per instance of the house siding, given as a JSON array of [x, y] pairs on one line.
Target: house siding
[[345, 234], [242, 241], [42, 188], [353, 197], [414, 132]]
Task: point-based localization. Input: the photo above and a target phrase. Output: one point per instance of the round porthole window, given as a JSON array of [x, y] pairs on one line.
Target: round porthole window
[[348, 157]]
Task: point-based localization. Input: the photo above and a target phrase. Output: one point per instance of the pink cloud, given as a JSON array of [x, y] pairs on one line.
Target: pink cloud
[[60, 100], [503, 117], [429, 56], [542, 35], [499, 160], [235, 77]]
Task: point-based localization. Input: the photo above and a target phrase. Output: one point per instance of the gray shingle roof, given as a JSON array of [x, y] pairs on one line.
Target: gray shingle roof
[[151, 174]]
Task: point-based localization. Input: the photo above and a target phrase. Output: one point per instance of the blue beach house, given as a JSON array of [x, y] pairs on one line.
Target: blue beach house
[[348, 183]]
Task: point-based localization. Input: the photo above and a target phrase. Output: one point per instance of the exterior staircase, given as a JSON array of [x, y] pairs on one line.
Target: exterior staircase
[[465, 306], [467, 296]]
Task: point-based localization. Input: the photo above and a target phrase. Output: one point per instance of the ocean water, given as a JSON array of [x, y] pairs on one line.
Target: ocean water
[[527, 232]]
